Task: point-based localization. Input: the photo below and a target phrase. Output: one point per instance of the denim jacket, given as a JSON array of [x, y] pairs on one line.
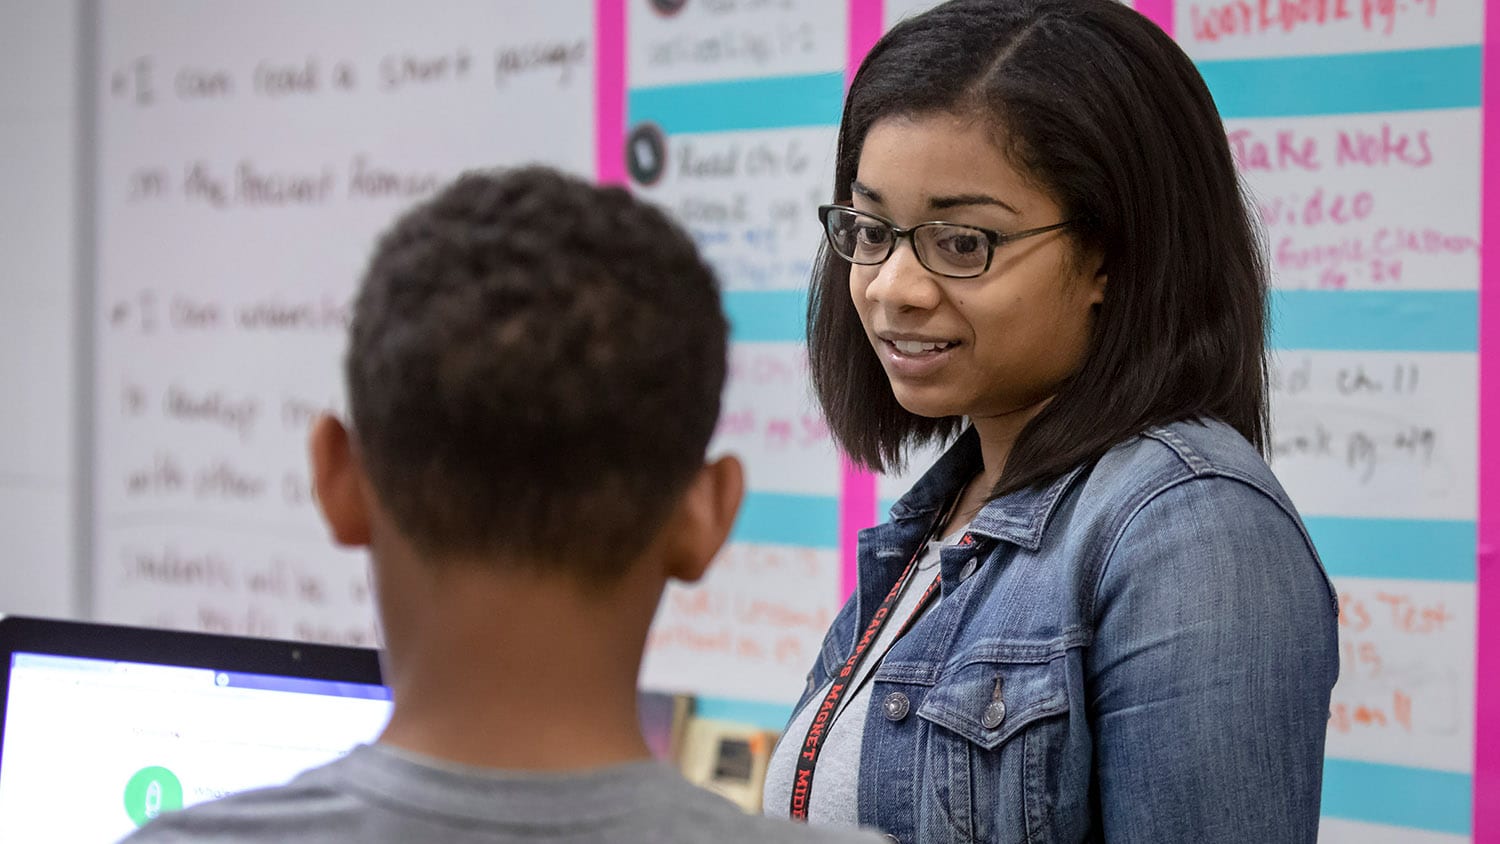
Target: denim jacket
[[1156, 629]]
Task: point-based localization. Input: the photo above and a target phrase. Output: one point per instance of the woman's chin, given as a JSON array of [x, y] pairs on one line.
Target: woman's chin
[[931, 407]]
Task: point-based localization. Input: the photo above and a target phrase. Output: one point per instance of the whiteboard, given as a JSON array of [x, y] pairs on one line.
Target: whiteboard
[[249, 154]]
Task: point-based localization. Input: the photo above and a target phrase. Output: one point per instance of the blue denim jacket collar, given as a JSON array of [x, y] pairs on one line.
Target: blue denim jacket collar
[[1019, 517]]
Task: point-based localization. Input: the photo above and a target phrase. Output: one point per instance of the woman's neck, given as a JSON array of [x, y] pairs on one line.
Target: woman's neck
[[997, 437]]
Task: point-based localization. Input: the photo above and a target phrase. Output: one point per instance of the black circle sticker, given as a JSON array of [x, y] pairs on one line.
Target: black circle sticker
[[646, 154]]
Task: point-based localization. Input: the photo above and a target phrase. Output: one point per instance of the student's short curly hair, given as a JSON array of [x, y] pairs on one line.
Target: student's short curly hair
[[534, 371]]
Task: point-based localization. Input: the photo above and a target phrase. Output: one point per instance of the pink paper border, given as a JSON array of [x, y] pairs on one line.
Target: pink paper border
[[1161, 13], [609, 92], [1487, 571], [857, 500], [856, 512], [866, 25]]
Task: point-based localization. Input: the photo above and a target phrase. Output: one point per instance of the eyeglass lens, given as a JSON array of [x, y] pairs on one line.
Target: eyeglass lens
[[943, 248]]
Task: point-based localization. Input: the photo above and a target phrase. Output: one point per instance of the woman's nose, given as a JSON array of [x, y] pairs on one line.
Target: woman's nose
[[902, 283]]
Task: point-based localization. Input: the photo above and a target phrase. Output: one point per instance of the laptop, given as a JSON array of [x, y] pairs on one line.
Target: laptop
[[102, 728]]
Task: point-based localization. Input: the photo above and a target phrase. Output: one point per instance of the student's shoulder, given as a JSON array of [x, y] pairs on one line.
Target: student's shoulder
[[709, 817], [771, 829], [753, 829], [299, 809]]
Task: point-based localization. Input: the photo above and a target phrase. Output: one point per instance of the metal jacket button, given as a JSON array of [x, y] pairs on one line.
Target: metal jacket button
[[969, 568], [995, 712], [993, 715], [896, 706]]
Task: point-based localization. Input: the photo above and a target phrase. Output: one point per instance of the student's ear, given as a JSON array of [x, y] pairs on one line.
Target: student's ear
[[705, 516], [339, 482]]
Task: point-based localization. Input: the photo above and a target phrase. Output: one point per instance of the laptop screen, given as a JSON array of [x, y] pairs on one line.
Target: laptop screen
[[94, 748]]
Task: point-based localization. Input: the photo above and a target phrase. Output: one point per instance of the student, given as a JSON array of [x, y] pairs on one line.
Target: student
[[534, 374], [1115, 626]]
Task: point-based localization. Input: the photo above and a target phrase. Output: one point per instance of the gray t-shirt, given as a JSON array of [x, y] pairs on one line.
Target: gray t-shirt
[[380, 794], [834, 800]]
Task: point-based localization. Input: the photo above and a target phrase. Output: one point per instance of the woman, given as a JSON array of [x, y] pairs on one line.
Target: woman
[[1098, 617]]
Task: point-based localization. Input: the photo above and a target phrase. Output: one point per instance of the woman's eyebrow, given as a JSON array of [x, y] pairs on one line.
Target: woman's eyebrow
[[939, 203]]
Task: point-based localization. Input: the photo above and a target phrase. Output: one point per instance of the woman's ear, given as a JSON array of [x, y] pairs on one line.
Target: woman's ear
[[1100, 284], [703, 518], [339, 482], [1094, 266]]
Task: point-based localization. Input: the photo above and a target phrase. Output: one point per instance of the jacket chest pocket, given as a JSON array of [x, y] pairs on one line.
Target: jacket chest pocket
[[993, 760]]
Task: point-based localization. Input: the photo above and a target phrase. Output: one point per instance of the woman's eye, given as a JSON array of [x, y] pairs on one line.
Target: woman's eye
[[872, 235], [961, 243]]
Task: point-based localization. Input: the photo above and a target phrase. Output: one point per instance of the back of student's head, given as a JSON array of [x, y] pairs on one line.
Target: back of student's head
[[534, 372]]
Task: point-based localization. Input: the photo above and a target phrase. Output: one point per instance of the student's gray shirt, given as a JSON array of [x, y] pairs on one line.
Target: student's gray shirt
[[380, 794]]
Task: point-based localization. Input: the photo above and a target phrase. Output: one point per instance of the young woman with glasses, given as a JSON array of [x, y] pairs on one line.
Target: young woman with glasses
[[1098, 617]]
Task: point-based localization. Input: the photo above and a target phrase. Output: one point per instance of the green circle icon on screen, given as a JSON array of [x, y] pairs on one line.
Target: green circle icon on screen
[[151, 792]]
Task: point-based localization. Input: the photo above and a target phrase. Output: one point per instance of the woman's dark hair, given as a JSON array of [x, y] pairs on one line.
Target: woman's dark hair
[[1107, 114]]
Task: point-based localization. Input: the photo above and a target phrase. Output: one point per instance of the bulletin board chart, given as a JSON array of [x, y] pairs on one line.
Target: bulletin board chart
[[731, 111], [1358, 129]]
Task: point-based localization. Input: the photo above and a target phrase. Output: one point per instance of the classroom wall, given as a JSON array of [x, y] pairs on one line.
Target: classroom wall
[[39, 76], [1409, 785]]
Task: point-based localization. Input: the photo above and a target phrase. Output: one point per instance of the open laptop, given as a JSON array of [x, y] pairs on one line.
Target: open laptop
[[102, 727]]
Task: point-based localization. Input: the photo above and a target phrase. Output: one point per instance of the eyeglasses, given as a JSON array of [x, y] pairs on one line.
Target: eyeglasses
[[948, 249]]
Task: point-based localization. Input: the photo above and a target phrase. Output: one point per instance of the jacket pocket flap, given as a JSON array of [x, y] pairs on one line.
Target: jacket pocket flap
[[988, 702]]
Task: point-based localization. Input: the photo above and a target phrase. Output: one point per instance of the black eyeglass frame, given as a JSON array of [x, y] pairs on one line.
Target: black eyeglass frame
[[995, 239]]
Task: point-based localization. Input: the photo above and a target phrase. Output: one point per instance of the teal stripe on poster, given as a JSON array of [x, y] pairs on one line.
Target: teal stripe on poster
[[766, 716], [767, 316], [1418, 798], [1330, 320], [1403, 549], [769, 518], [738, 105], [1376, 320], [1352, 83], [1353, 320]]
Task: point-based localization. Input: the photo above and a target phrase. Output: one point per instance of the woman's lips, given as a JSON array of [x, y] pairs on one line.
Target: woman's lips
[[915, 358]]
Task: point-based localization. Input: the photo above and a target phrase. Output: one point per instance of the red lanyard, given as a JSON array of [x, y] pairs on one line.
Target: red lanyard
[[812, 745]]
